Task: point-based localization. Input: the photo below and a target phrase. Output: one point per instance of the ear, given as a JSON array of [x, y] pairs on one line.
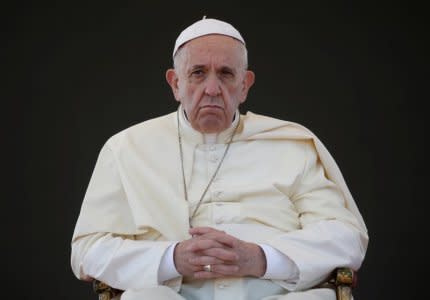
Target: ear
[[248, 81], [172, 80]]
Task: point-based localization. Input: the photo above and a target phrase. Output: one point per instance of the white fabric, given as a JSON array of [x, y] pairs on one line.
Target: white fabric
[[205, 27], [164, 293], [278, 265], [271, 189], [115, 264], [167, 269], [151, 293]]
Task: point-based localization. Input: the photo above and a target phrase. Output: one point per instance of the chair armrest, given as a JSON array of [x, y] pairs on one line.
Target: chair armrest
[[104, 291], [345, 280]]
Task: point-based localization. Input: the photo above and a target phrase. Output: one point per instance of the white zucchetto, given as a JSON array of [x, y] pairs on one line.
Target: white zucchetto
[[205, 27]]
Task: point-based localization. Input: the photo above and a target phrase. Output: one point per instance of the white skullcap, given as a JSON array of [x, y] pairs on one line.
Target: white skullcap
[[205, 27]]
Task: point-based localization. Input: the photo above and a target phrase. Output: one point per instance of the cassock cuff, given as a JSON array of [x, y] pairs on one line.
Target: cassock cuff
[[278, 265], [167, 269]]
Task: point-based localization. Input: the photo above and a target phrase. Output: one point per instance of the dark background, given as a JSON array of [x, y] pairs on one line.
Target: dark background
[[77, 73]]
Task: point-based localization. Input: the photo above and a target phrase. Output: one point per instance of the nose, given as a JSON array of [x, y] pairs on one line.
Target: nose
[[212, 87]]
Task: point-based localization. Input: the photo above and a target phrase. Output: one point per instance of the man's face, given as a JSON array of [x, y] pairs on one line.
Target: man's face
[[210, 81]]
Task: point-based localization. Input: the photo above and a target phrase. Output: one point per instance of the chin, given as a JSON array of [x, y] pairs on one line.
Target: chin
[[212, 126]]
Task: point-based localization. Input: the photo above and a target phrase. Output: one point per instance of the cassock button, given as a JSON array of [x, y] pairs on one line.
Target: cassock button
[[221, 286]]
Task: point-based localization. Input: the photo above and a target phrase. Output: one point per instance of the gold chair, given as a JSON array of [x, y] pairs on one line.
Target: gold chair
[[343, 281]]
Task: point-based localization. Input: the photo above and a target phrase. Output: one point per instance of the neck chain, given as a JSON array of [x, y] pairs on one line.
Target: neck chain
[[213, 175]]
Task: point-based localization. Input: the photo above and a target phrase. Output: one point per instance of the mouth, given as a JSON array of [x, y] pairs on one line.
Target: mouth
[[211, 107]]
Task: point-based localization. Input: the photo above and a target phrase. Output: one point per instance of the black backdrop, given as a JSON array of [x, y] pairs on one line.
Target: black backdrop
[[78, 73]]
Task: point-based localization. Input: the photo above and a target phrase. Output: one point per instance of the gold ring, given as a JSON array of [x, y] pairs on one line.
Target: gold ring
[[207, 268]]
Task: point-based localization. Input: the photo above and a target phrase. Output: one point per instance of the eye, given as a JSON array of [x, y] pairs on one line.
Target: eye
[[197, 73], [225, 72]]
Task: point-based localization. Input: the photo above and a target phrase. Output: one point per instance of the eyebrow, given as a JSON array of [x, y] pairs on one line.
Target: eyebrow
[[197, 67], [228, 69], [223, 68]]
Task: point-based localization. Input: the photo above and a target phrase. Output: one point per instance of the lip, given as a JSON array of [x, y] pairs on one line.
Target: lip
[[210, 107]]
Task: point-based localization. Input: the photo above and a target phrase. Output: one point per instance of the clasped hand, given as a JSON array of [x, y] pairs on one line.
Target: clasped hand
[[227, 255]]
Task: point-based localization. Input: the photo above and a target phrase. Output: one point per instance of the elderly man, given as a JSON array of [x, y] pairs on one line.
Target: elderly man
[[206, 203]]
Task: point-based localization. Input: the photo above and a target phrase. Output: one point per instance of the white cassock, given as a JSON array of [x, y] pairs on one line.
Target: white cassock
[[278, 187]]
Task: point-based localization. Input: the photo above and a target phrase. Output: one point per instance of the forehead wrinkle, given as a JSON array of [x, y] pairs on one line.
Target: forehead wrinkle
[[204, 52], [211, 62], [203, 66]]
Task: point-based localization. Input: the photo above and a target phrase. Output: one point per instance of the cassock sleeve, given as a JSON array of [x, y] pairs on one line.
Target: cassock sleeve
[[331, 235], [121, 262], [106, 243]]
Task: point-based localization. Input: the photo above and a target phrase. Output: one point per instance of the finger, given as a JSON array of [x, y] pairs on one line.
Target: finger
[[225, 269], [223, 238], [203, 244], [205, 260], [203, 230], [218, 271], [223, 254]]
